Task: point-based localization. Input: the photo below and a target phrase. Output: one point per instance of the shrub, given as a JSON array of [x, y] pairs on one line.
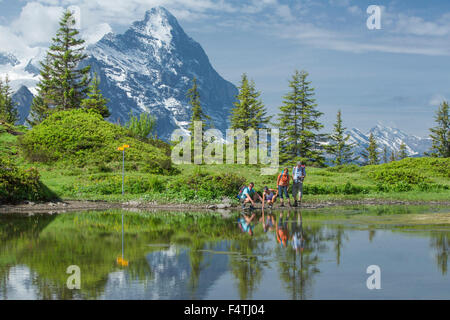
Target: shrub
[[84, 138], [17, 184], [347, 188]]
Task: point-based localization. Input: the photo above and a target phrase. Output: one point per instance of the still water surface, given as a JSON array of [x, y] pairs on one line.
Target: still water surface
[[321, 254]]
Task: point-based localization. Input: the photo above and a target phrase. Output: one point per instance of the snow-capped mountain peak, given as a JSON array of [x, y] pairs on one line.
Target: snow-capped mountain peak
[[157, 24], [391, 138]]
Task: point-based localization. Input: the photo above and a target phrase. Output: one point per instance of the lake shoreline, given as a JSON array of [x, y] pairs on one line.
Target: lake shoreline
[[83, 205]]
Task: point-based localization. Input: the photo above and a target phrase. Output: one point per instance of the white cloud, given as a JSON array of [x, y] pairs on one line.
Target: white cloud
[[37, 23], [418, 26]]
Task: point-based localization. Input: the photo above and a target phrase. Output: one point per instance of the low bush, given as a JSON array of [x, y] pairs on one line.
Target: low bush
[[347, 188], [17, 184], [82, 138]]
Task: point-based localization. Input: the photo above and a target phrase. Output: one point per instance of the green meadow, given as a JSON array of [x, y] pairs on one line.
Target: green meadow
[[56, 162]]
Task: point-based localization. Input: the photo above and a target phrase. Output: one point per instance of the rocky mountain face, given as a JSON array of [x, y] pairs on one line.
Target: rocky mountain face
[[23, 98], [150, 67]]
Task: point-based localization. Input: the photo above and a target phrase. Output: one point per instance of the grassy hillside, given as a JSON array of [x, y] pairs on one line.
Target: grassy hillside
[[89, 174]]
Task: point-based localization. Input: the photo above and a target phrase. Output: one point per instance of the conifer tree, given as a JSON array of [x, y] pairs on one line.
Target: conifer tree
[[298, 123], [197, 112], [402, 151], [8, 109], [338, 147], [371, 154], [95, 100], [392, 157], [64, 84], [441, 133], [248, 111], [385, 155]]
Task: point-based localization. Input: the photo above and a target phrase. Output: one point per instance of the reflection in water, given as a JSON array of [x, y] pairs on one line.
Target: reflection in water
[[441, 243], [187, 255], [297, 265]]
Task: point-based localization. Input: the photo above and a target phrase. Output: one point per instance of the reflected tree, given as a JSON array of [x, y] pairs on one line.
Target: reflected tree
[[297, 267], [441, 242]]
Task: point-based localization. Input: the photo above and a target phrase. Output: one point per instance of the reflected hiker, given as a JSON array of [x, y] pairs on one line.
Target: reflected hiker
[[282, 231], [283, 186], [298, 241], [248, 194], [245, 223], [268, 221], [298, 175]]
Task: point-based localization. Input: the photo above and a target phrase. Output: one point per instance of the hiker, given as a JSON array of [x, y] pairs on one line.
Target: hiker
[[267, 222], [282, 231], [248, 194], [298, 175], [283, 186], [269, 196], [245, 223]]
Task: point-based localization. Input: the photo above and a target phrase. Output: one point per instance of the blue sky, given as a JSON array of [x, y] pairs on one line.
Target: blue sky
[[395, 76]]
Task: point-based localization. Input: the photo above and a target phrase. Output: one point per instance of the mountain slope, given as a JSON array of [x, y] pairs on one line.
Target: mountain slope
[[150, 68], [23, 98]]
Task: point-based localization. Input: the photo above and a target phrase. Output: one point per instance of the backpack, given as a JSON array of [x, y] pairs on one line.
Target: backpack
[[284, 178], [302, 170], [240, 192]]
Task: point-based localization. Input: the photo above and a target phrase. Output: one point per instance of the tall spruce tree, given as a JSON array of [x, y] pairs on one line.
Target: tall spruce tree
[[64, 84], [339, 148], [392, 158], [95, 100], [298, 123], [402, 151], [8, 108], [197, 111], [248, 112], [385, 155], [371, 154], [441, 133]]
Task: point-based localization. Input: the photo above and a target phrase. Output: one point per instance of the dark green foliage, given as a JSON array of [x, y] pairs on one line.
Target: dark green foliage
[[81, 137], [347, 188], [112, 184], [17, 184], [402, 152], [95, 99], [441, 133], [63, 83], [141, 127], [197, 111], [371, 155], [338, 147], [385, 155], [409, 174], [197, 186], [344, 168], [203, 185], [298, 123], [8, 110], [248, 111]]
